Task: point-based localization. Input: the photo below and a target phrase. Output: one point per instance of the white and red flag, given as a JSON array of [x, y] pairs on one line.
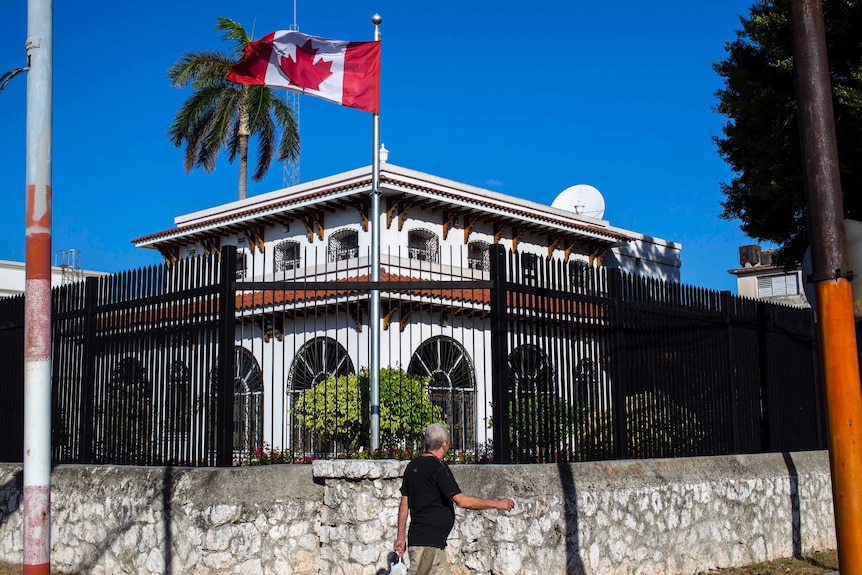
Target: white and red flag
[[347, 73]]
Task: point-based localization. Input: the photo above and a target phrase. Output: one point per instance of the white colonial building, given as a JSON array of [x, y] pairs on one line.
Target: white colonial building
[[430, 228]]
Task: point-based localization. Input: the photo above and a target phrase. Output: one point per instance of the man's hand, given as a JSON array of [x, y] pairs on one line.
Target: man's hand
[[505, 504], [400, 544]]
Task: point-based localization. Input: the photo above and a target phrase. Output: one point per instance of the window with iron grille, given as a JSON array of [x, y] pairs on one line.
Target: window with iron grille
[[529, 267], [241, 265], [530, 372], [423, 245], [248, 402], [318, 359], [452, 385], [479, 255], [286, 256], [343, 245]]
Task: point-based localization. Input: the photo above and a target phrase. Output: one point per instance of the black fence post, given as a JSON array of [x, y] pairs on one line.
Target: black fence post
[[619, 387], [727, 309], [763, 359], [226, 357], [88, 375], [499, 357]]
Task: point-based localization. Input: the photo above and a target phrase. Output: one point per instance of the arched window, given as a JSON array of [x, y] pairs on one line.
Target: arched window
[[177, 398], [423, 245], [452, 386], [530, 372], [343, 245], [286, 256], [248, 402], [479, 256], [317, 360], [127, 422]]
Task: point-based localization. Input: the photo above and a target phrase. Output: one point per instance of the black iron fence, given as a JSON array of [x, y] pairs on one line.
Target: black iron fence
[[219, 360]]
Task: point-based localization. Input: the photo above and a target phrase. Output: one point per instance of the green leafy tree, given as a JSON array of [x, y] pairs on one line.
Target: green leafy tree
[[338, 408], [761, 142], [222, 114]]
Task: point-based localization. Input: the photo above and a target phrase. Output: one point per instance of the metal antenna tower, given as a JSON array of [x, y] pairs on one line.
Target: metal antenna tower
[[69, 262], [290, 168]]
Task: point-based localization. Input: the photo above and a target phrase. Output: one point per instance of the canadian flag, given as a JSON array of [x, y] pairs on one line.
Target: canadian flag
[[347, 73]]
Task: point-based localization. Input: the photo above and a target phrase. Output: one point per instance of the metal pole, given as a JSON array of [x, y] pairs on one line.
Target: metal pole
[[374, 320], [831, 277], [37, 292]]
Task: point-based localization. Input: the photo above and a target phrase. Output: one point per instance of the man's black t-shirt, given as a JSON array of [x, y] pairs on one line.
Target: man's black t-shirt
[[429, 487]]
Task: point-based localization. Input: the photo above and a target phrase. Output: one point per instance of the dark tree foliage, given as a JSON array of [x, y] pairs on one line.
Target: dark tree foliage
[[761, 141]]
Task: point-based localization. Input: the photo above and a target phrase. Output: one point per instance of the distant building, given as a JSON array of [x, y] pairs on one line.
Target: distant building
[[65, 270], [758, 278]]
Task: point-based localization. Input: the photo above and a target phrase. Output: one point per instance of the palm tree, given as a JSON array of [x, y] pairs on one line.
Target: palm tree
[[221, 113]]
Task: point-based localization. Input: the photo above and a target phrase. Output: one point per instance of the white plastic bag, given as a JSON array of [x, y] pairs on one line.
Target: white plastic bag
[[396, 565]]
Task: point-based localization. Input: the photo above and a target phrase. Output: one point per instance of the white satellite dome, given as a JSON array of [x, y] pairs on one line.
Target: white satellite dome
[[581, 199]]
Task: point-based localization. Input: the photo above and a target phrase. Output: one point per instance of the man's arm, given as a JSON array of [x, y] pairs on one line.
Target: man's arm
[[401, 540], [469, 502]]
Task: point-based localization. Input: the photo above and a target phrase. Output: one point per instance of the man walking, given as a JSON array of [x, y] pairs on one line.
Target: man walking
[[427, 495]]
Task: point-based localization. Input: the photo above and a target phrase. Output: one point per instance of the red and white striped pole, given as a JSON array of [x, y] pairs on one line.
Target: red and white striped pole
[[37, 291]]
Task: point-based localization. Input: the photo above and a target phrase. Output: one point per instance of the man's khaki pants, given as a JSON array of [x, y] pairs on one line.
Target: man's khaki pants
[[428, 561]]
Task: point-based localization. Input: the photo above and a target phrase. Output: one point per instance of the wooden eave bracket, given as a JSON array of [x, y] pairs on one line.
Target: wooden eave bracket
[[391, 207], [254, 236], [170, 253], [402, 214], [276, 328], [406, 310], [552, 245], [211, 244], [362, 208], [313, 226], [355, 314], [469, 222], [387, 318], [448, 222], [516, 237], [569, 249], [498, 232], [597, 254]]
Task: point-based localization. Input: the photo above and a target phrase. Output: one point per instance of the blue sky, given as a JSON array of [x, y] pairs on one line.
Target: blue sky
[[523, 99]]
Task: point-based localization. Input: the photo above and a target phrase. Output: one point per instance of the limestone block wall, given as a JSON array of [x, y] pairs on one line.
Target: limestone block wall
[[338, 517]]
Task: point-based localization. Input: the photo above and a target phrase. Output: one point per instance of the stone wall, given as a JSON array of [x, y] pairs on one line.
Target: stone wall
[[338, 517]]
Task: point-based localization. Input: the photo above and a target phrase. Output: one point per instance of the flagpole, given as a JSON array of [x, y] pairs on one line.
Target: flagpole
[[375, 268]]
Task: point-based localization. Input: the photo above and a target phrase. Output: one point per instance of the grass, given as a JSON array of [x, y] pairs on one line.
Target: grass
[[812, 564]]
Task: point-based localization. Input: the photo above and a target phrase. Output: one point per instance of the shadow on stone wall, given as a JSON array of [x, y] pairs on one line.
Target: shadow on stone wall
[[574, 563], [14, 484], [796, 518], [163, 496]]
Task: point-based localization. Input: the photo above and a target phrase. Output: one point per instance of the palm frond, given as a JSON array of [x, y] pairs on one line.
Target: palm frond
[[233, 32], [288, 146], [210, 119], [266, 145], [200, 70]]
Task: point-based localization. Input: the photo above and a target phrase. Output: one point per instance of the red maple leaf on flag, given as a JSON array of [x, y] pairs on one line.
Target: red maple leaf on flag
[[304, 72]]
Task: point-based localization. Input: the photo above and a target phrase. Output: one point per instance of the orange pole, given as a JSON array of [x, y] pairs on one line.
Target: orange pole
[[830, 276], [843, 415]]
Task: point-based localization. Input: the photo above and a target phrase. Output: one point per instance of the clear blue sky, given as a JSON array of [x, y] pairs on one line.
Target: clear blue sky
[[522, 98]]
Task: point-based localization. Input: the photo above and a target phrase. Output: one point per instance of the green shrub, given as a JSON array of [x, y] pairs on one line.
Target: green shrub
[[339, 409]]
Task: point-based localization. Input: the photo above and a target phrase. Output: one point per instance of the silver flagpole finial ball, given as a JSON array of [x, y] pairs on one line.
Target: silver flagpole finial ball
[[376, 19]]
